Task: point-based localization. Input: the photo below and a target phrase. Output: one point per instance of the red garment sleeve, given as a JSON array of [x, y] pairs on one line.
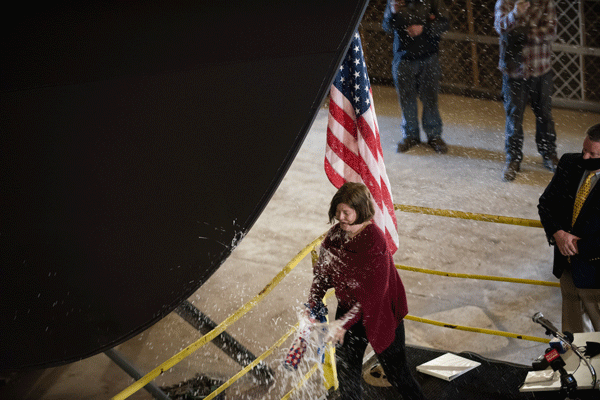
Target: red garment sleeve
[[321, 280], [353, 316]]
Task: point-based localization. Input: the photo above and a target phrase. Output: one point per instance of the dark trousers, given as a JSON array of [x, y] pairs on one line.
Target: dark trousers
[[419, 79], [517, 93], [349, 359]]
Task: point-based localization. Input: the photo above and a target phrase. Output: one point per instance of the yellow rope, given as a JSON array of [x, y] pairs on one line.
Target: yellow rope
[[467, 215], [482, 277], [259, 359], [220, 328], [478, 330], [287, 269], [252, 364], [302, 381]]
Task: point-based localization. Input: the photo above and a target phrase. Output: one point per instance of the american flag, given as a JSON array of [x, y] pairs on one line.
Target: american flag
[[353, 152]]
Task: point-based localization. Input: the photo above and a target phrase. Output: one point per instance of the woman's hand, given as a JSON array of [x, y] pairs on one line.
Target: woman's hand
[[336, 332], [306, 315]]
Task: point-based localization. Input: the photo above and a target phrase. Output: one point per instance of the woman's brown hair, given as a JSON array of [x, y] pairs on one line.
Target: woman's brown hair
[[357, 196]]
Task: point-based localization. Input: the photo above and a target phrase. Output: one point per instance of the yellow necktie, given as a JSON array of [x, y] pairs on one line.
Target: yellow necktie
[[582, 194]]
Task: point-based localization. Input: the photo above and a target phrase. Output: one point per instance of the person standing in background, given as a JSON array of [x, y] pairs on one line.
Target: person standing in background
[[569, 211], [417, 26], [527, 29]]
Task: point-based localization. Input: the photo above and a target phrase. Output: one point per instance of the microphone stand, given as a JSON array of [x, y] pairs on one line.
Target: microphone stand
[[551, 330]]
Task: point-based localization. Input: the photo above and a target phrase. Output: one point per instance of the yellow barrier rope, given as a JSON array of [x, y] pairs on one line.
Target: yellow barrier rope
[[467, 215], [139, 384], [304, 379], [482, 277], [252, 364], [478, 330], [287, 269], [258, 359]]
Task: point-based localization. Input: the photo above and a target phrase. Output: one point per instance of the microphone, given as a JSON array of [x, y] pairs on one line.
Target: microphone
[[567, 381], [538, 317], [568, 338]]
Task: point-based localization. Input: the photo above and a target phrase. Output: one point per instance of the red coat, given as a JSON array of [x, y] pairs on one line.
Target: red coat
[[362, 272]]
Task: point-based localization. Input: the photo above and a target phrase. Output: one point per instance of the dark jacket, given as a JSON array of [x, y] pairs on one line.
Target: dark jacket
[[556, 211], [432, 14]]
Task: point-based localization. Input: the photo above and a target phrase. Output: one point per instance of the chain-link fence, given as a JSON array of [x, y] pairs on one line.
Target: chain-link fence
[[469, 51]]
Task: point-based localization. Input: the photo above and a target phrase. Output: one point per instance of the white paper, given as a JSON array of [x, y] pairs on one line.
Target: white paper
[[546, 375], [447, 366]]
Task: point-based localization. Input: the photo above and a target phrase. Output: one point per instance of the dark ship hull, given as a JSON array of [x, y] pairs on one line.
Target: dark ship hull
[[140, 142]]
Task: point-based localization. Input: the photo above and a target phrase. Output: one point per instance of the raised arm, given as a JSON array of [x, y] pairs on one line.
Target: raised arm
[[509, 15], [321, 281]]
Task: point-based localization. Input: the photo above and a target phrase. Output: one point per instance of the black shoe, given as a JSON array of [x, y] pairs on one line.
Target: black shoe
[[438, 145], [406, 144], [510, 170], [551, 162]]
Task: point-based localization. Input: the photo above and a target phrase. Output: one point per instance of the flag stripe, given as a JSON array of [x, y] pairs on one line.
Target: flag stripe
[[335, 178], [339, 107], [345, 155]]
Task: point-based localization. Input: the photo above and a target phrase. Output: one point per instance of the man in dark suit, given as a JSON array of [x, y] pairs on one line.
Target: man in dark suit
[[569, 210]]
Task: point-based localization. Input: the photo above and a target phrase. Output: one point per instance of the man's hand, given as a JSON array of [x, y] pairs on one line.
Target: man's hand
[[566, 243], [521, 7], [414, 30]]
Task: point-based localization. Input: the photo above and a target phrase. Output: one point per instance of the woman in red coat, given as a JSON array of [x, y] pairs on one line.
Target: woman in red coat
[[356, 262]]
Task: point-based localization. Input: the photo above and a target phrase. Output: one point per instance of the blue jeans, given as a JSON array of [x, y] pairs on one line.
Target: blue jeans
[[420, 78], [516, 94]]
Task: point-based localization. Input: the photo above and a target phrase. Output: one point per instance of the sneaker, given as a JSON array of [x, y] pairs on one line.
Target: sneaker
[[406, 144], [438, 145], [551, 162], [510, 170]]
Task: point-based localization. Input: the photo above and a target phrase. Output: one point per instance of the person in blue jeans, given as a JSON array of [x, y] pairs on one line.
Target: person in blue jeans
[[527, 30], [417, 26]]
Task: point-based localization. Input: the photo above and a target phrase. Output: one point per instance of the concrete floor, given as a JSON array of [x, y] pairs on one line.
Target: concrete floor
[[468, 178]]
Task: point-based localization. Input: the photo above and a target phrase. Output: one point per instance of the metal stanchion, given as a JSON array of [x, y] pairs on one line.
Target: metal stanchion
[[126, 366], [224, 341]]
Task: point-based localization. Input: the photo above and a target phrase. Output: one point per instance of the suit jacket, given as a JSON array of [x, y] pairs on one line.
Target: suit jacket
[[556, 212]]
